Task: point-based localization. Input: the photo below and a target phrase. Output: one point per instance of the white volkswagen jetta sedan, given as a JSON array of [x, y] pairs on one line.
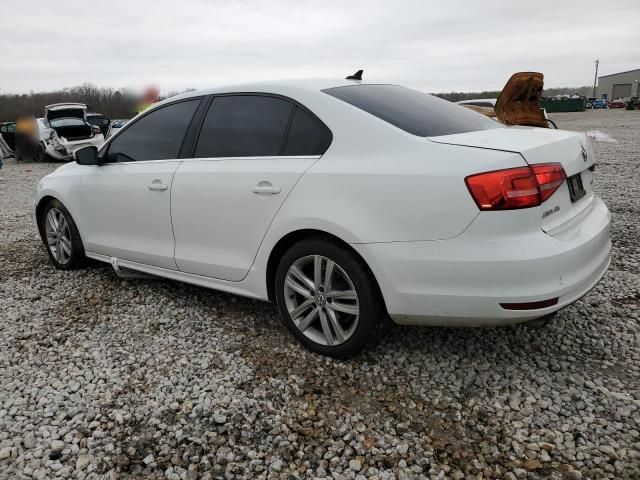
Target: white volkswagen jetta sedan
[[345, 203]]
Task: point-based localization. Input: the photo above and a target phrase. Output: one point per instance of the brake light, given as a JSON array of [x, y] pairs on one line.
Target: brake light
[[512, 188], [96, 130], [549, 177]]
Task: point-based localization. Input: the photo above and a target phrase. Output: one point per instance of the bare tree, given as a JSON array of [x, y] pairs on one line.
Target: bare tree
[[108, 101]]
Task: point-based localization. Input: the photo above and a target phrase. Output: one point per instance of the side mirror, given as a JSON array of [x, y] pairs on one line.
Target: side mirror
[[86, 156]]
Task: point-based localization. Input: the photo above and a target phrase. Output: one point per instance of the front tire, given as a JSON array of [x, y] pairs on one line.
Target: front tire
[[328, 298], [61, 237]]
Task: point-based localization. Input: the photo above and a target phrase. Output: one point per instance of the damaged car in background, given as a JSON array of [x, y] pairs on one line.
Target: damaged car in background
[[517, 104], [64, 129]]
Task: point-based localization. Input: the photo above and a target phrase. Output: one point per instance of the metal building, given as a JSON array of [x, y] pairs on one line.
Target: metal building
[[619, 85]]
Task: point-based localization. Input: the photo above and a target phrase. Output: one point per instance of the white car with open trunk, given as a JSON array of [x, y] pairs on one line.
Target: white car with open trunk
[[64, 129], [343, 202]]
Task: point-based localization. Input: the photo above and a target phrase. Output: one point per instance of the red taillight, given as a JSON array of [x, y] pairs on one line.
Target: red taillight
[[512, 188], [96, 130], [549, 177]]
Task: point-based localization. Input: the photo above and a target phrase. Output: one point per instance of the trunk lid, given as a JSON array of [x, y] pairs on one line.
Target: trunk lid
[[70, 110], [519, 101], [540, 145], [65, 113]]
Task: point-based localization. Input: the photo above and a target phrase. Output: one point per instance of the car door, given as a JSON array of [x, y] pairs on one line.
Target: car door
[[126, 200], [8, 132], [250, 152]]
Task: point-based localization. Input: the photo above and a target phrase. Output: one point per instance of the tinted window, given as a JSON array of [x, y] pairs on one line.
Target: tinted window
[[414, 112], [307, 135], [244, 126], [156, 136]]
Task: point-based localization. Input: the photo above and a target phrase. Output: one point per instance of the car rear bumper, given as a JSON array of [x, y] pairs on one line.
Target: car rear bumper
[[463, 281], [61, 155]]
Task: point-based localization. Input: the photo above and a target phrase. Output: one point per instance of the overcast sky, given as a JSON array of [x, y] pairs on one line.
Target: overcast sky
[[436, 46]]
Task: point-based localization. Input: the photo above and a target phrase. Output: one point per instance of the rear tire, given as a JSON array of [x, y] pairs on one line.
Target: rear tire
[[328, 298], [61, 237]]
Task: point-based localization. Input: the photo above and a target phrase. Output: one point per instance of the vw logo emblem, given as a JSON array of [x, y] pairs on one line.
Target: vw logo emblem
[[320, 299], [584, 152]]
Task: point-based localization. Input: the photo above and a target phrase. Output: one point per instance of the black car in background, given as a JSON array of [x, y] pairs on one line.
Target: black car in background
[[99, 120], [633, 103], [8, 134]]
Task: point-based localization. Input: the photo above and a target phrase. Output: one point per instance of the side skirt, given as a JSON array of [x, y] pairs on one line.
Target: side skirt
[[128, 269]]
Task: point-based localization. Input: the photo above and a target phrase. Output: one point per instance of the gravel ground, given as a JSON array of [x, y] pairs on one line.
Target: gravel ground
[[106, 378]]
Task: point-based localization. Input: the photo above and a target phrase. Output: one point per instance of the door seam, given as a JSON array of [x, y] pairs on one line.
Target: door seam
[[173, 233]]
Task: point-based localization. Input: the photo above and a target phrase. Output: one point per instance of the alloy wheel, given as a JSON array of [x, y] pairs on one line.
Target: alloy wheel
[[321, 300], [58, 236]]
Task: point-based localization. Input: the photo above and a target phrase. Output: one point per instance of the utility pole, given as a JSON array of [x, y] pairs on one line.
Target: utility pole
[[595, 79]]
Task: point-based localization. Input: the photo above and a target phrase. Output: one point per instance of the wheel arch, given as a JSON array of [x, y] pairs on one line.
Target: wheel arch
[[291, 238], [40, 206], [39, 212]]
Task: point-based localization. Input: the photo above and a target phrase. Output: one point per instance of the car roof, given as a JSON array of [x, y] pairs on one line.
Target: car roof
[[282, 87], [62, 106]]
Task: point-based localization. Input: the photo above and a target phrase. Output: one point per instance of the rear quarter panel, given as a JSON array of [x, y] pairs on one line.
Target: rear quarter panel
[[378, 183], [407, 190]]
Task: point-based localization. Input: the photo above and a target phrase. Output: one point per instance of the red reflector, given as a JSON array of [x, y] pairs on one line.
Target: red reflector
[[530, 305], [512, 188]]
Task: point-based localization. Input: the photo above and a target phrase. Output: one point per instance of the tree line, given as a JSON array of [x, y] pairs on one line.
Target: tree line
[[585, 91], [116, 104], [110, 102]]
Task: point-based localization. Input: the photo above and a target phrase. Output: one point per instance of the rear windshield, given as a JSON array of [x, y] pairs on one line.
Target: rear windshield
[[66, 122], [414, 112]]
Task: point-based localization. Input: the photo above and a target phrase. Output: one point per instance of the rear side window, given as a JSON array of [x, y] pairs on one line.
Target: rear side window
[[307, 135], [414, 112], [156, 136], [244, 126]]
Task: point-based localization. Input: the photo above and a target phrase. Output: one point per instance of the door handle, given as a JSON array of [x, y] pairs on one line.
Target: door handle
[[157, 185], [267, 188]]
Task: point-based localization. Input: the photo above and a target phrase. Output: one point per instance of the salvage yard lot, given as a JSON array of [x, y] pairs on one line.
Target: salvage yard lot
[[108, 378]]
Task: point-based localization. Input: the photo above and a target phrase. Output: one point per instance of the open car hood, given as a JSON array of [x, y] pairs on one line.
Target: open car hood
[[519, 101]]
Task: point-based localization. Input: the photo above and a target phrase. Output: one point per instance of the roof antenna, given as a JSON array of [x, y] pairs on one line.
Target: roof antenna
[[356, 76]]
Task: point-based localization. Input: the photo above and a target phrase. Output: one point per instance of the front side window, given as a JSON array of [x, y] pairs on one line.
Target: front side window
[[244, 126], [414, 112], [156, 136]]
